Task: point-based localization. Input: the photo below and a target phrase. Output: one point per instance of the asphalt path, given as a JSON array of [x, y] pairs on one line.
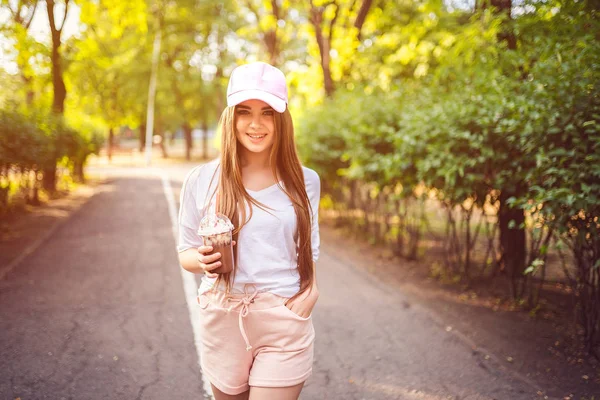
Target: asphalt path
[[100, 311]]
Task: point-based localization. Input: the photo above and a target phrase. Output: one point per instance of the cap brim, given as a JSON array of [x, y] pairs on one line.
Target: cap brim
[[278, 104]]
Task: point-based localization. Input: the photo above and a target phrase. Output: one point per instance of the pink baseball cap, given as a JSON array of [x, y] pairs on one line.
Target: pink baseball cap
[[259, 81]]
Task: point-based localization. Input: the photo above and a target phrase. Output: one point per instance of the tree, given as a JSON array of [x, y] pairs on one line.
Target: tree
[[273, 27], [106, 70], [185, 38], [58, 83], [336, 22], [22, 14], [60, 91]]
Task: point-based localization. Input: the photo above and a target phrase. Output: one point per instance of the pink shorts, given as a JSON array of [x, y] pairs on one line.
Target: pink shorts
[[253, 339]]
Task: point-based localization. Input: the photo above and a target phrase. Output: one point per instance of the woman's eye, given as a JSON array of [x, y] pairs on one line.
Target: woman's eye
[[268, 113]]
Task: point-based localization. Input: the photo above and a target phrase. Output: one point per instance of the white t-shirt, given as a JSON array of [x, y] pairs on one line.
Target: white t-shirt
[[267, 244]]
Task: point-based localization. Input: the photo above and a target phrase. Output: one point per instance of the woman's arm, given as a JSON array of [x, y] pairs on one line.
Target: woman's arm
[[199, 261], [314, 287], [189, 261], [304, 304]]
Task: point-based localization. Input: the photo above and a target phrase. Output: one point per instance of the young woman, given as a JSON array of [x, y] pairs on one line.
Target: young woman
[[256, 328]]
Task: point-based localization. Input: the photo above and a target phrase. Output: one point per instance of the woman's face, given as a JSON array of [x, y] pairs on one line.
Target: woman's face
[[255, 125]]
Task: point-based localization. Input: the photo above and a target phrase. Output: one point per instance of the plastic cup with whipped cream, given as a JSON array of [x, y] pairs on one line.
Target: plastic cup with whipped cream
[[216, 231]]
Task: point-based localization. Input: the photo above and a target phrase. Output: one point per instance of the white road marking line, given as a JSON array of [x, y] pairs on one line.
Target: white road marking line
[[189, 282]]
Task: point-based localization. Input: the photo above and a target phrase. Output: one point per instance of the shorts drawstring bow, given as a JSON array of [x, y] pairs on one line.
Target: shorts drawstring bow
[[244, 302]]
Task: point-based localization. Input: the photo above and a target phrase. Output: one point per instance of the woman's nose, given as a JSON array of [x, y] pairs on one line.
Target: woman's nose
[[255, 122]]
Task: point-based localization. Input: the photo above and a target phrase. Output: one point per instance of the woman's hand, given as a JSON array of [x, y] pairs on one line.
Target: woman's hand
[[304, 304], [208, 262]]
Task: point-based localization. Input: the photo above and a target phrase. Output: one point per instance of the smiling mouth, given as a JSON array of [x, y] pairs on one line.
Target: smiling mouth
[[256, 136]]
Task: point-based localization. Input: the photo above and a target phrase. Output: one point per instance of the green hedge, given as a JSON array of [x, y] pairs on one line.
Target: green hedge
[[521, 123], [37, 142]]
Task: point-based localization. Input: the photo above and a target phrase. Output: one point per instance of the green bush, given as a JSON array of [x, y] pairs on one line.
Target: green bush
[[518, 128], [36, 142]]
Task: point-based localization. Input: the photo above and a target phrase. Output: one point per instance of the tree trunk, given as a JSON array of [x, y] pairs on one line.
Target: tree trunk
[[512, 241], [35, 198], [163, 145], [205, 139], [324, 43], [362, 16], [505, 6], [501, 7], [78, 170], [49, 179], [60, 91], [399, 246], [189, 144], [220, 96], [142, 135], [111, 138], [270, 37], [415, 234], [29, 93]]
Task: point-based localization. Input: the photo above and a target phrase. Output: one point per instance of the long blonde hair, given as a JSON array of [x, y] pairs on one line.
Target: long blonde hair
[[232, 197]]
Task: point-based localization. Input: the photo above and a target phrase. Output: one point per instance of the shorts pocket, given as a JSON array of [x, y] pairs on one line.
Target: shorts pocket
[[209, 300], [287, 311], [203, 301]]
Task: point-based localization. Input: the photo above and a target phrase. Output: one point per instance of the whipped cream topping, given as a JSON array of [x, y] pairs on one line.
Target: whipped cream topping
[[213, 224]]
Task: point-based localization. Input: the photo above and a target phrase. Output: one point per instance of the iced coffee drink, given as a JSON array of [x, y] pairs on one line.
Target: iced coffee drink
[[216, 231]]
